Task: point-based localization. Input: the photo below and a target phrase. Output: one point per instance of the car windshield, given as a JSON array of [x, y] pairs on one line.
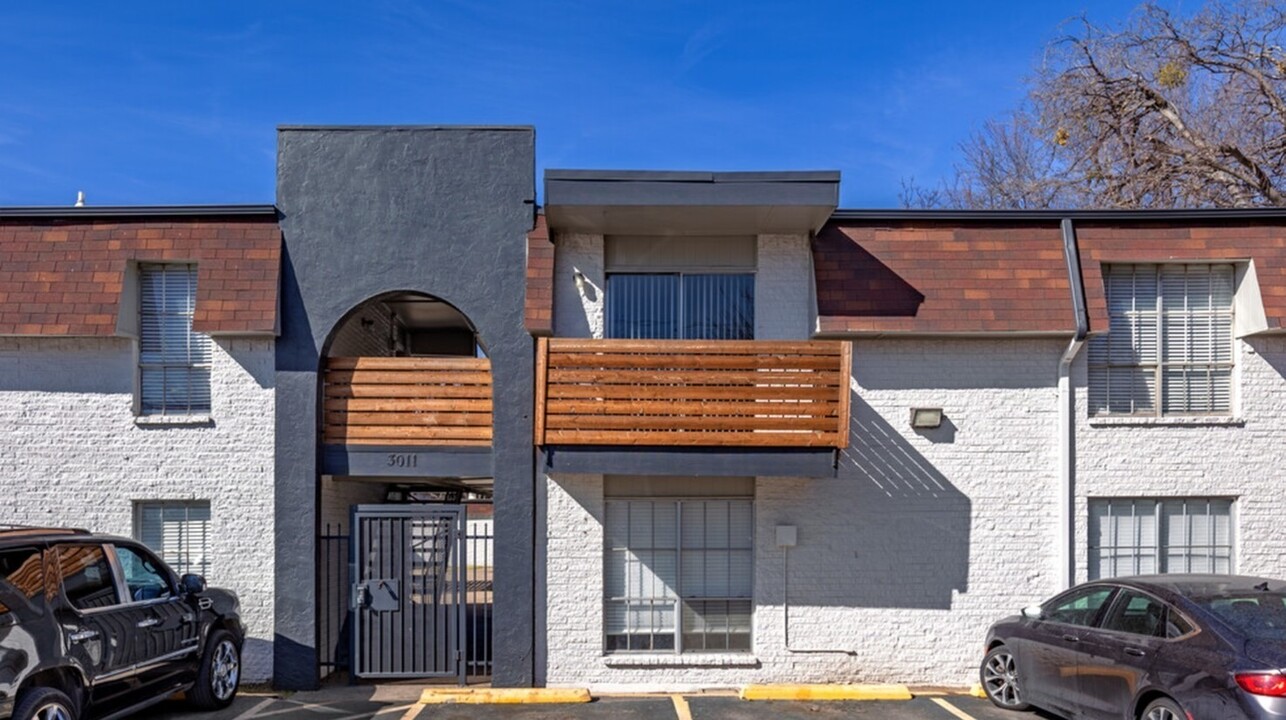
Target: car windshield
[[1257, 614]]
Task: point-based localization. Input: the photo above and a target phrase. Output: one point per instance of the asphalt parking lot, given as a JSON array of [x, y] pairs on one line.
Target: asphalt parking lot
[[399, 703]]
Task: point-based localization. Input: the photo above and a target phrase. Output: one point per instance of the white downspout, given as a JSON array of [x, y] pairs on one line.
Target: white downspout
[[1066, 545]]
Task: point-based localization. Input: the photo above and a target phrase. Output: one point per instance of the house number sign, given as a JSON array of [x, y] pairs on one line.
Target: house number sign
[[402, 460]]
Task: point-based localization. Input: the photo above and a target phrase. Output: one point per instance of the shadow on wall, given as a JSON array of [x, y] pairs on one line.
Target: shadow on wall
[[899, 529], [870, 288]]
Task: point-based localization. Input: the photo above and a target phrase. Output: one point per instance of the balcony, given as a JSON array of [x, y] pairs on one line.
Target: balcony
[[407, 402], [695, 393]]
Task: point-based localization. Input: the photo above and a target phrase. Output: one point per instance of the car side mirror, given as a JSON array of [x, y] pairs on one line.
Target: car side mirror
[[1033, 612], [192, 584]]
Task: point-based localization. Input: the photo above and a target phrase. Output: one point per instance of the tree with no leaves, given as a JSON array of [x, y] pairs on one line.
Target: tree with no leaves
[[1165, 112]]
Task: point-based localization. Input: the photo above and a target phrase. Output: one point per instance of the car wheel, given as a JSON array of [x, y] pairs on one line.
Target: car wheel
[[44, 703], [1000, 679], [220, 673], [1163, 709]]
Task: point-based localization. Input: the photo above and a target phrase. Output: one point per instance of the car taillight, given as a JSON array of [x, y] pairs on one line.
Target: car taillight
[[1270, 684]]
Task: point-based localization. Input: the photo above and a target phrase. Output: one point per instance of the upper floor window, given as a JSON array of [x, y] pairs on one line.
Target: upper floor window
[[1168, 350], [671, 306], [174, 361]]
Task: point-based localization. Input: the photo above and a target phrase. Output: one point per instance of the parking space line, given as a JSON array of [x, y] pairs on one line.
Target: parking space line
[[681, 707], [254, 711], [413, 712], [952, 709], [369, 716]]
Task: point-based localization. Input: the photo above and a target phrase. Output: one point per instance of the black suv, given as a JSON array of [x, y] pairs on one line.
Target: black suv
[[93, 626]]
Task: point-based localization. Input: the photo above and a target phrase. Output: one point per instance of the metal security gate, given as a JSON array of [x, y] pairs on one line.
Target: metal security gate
[[408, 591]]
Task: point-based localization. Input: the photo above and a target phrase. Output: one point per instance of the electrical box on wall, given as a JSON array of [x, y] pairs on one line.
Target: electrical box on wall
[[786, 536]]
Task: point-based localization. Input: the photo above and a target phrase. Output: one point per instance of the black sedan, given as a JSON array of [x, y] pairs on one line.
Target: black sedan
[[1159, 647]]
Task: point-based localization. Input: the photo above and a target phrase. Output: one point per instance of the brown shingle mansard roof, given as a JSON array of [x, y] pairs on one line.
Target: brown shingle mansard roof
[[933, 272], [63, 270]]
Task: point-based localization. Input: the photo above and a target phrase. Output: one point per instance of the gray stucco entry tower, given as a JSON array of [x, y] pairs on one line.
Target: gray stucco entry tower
[[369, 210]]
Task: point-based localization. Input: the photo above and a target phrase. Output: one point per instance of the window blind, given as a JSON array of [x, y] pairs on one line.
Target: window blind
[[1141, 536], [174, 361], [671, 306], [1168, 349], [179, 532]]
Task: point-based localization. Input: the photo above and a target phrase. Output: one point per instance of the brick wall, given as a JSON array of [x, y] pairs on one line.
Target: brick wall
[[1159, 458], [73, 455], [903, 561]]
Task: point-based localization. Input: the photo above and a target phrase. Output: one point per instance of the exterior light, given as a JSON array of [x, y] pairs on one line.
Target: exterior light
[[926, 418]]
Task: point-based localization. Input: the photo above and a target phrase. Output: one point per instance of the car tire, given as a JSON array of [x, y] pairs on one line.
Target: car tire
[[220, 674], [44, 703], [999, 677], [1163, 709]]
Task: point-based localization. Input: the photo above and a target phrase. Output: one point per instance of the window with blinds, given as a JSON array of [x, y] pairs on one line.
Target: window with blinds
[[1168, 350], [1139, 536], [673, 306], [179, 532], [174, 361], [679, 574]]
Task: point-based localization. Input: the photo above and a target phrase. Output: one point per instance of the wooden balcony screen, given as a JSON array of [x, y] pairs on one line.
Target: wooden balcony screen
[[692, 392], [407, 401]]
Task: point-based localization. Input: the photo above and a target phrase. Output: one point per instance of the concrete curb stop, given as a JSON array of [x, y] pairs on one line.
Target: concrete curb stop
[[503, 696]]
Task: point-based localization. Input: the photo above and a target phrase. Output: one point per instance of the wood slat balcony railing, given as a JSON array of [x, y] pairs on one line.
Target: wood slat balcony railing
[[692, 392], [407, 401]]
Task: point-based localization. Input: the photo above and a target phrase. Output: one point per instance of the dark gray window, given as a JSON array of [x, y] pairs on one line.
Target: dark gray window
[[87, 576], [22, 581], [1079, 607], [1137, 614], [174, 361], [672, 306]]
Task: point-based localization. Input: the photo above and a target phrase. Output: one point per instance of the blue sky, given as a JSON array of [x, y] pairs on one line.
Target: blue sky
[[178, 102]]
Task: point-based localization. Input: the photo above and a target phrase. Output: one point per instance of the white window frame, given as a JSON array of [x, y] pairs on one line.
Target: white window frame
[[199, 351], [1157, 545], [679, 599], [183, 563], [1101, 367]]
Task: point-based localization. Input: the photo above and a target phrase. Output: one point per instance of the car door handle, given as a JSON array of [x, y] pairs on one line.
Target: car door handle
[[82, 635], [1135, 652], [150, 622], [1071, 638]]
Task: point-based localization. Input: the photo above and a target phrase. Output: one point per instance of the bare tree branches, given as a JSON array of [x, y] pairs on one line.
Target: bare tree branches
[[1165, 112]]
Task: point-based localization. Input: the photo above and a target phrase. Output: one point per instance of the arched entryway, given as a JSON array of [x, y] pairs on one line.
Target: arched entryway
[[404, 493]]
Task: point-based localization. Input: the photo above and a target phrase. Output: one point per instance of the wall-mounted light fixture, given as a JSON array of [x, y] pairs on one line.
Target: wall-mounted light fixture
[[578, 277], [926, 418]]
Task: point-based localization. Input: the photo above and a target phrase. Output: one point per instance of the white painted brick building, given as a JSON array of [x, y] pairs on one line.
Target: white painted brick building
[[76, 455]]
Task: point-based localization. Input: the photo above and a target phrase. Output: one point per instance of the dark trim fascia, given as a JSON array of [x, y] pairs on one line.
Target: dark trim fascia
[[691, 461], [689, 176], [403, 128], [101, 211], [406, 461], [1057, 216], [897, 334]]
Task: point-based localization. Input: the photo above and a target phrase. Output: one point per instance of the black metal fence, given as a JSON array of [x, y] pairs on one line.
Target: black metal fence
[[334, 639]]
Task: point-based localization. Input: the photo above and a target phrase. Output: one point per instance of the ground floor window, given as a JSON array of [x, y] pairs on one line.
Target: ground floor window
[[678, 564], [177, 531], [1139, 536]]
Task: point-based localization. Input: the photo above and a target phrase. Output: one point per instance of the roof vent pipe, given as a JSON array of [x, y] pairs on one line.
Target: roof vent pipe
[[80, 198]]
